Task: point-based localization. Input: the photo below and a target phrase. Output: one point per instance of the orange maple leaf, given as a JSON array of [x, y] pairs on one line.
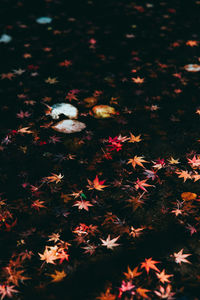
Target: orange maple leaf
[[142, 292], [49, 255], [54, 178], [183, 174], [138, 80], [192, 43], [137, 160], [135, 139], [16, 276], [149, 264], [132, 273], [25, 130], [163, 277], [107, 295]]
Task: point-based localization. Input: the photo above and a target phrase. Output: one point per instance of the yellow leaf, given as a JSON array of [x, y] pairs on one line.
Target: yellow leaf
[[188, 196], [58, 276]]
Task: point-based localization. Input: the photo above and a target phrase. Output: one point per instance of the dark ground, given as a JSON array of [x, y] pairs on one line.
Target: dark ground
[[130, 35]]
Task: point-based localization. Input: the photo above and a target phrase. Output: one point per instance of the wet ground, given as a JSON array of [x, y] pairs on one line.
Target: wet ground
[[130, 55]]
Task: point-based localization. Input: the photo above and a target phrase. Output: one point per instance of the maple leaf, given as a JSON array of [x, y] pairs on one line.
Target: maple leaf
[[159, 164], [180, 257], [163, 277], [107, 295], [126, 286], [54, 139], [27, 55], [177, 211], [49, 255], [7, 290], [16, 276], [62, 255], [76, 194], [65, 63], [10, 226], [192, 229], [54, 237], [8, 76], [141, 184], [135, 202], [82, 204], [47, 49], [134, 139], [22, 96], [58, 276], [122, 138], [96, 184], [26, 255], [142, 292], [89, 249], [54, 178], [138, 80], [23, 114], [178, 75], [135, 232], [173, 161], [132, 273], [165, 293], [29, 102], [177, 91], [150, 174], [24, 130], [192, 43], [183, 174], [137, 160], [37, 204], [110, 243], [195, 176], [71, 96], [66, 197], [194, 162], [109, 218], [46, 125], [154, 107], [14, 263], [149, 264], [115, 144], [51, 80]]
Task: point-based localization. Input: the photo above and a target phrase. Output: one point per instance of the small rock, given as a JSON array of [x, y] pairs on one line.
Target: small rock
[[192, 68], [44, 20], [4, 38], [66, 109], [69, 126]]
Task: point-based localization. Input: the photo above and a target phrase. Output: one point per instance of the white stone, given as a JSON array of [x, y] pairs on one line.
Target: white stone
[[192, 68], [66, 109], [69, 126]]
